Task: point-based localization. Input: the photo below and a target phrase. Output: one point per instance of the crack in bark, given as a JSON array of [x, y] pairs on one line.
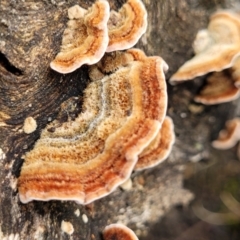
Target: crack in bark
[[4, 62]]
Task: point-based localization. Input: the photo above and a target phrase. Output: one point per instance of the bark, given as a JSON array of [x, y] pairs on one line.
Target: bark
[[30, 37]]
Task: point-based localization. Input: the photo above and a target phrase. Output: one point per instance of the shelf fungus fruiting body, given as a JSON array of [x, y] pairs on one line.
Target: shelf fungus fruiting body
[[118, 231], [219, 88], [229, 136], [87, 158], [85, 39], [216, 47], [126, 26], [159, 149]]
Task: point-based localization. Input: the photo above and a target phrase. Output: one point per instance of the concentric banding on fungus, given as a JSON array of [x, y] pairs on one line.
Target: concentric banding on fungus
[[85, 39], [126, 26], [87, 158]]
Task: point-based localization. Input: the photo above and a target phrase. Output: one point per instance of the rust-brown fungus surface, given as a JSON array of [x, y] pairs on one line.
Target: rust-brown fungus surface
[[126, 26], [87, 158], [159, 149], [118, 232], [216, 47], [220, 88], [86, 38], [229, 136]]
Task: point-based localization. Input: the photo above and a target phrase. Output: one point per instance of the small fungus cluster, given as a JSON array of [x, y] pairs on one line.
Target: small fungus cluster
[[217, 50], [92, 32], [123, 124]]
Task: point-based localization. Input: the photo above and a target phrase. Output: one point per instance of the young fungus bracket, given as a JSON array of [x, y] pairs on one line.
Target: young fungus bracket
[[85, 39]]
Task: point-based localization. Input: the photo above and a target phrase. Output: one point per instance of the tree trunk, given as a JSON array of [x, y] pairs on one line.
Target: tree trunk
[[30, 37]]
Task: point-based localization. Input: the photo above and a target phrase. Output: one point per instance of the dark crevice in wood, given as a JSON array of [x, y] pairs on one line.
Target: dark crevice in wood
[[4, 62]]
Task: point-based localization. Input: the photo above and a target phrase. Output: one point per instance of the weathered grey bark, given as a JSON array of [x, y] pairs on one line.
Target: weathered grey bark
[[30, 36]]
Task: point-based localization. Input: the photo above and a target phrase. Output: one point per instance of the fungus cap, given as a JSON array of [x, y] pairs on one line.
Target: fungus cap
[[220, 88], [216, 47], [118, 232], [86, 38], [159, 149], [229, 136], [126, 26], [87, 158]]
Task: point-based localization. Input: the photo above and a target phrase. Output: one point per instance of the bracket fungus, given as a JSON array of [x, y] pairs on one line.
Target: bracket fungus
[[87, 158], [229, 136], [86, 38], [220, 88], [126, 26], [216, 47], [118, 231], [159, 149]]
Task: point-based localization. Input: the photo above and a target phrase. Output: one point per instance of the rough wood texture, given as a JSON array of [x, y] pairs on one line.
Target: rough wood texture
[[30, 37]]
